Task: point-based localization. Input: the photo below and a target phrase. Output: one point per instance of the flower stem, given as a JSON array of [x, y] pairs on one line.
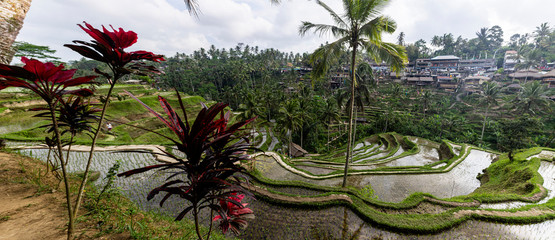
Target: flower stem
[[70, 211], [91, 152]]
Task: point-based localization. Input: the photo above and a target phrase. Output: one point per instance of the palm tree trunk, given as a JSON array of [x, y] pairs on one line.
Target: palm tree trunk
[[301, 135], [290, 145], [484, 126], [329, 125], [354, 136], [350, 137]]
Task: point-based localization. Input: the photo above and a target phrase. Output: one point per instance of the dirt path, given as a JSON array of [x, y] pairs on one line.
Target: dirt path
[[24, 212], [28, 211]]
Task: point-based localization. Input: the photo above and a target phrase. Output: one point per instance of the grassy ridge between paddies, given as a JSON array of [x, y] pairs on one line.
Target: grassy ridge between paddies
[[114, 217], [450, 163], [122, 109], [500, 188]]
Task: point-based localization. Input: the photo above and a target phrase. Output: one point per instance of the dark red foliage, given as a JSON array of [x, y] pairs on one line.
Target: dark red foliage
[[74, 116], [211, 170], [236, 212], [108, 46], [45, 79]]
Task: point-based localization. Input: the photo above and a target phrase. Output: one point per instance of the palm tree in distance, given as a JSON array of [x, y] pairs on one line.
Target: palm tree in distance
[[330, 113], [289, 120], [483, 39], [364, 78], [490, 92], [192, 6], [533, 98], [360, 26]]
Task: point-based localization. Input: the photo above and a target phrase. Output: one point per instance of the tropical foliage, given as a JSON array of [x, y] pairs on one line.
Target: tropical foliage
[[211, 170], [360, 26], [109, 47], [51, 83]]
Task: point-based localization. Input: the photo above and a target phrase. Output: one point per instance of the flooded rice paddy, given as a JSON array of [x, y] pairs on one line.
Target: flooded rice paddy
[[278, 222], [461, 180]]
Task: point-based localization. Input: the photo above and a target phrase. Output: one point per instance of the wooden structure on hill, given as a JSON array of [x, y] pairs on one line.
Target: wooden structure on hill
[[296, 150]]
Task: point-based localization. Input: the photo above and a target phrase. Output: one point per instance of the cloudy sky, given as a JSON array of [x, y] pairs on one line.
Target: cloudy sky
[[165, 26]]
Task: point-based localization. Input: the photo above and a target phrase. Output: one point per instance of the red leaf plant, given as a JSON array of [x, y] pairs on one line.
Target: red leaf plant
[[47, 80], [210, 172], [234, 214], [50, 82], [108, 47], [74, 116]]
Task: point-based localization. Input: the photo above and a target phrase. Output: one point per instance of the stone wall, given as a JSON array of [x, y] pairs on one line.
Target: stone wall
[[12, 14]]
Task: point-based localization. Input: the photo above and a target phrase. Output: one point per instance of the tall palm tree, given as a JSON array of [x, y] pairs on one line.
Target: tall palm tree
[[250, 108], [360, 26], [290, 120], [541, 34], [425, 98], [330, 113], [533, 98], [192, 6], [364, 78], [490, 92], [483, 39]]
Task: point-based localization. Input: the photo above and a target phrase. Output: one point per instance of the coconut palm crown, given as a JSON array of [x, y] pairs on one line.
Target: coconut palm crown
[[360, 26]]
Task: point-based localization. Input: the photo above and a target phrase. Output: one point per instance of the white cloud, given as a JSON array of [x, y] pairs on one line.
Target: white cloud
[[165, 26]]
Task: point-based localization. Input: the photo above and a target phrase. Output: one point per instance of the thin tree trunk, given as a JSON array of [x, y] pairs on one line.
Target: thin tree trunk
[[69, 148], [301, 135], [197, 229], [329, 125], [91, 153], [70, 211], [290, 143], [484, 126], [211, 222], [350, 137], [354, 136]]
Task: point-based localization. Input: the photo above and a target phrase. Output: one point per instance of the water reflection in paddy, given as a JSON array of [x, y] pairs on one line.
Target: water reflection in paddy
[[461, 180], [427, 155], [277, 222], [547, 171]]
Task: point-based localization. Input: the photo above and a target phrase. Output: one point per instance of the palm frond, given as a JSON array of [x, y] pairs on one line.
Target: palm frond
[[321, 29], [325, 56], [373, 29], [390, 53], [336, 18], [192, 6]]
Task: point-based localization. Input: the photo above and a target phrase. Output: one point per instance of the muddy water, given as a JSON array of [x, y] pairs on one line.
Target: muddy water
[[316, 170], [461, 180], [547, 171], [427, 155], [12, 128], [277, 222]]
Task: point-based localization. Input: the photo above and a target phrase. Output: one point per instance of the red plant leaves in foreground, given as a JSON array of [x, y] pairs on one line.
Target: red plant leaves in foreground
[[108, 46], [211, 170], [45, 79], [234, 214]]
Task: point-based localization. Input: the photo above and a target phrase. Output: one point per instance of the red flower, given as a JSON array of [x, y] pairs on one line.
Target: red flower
[[45, 79], [108, 46], [234, 213]]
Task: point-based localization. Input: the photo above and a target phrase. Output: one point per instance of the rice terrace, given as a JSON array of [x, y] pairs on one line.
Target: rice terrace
[[356, 138]]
